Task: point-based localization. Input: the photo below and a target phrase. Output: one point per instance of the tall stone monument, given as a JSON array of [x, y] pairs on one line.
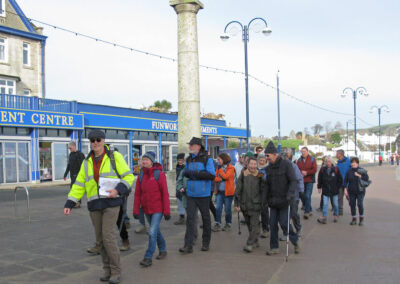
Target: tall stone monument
[[188, 71]]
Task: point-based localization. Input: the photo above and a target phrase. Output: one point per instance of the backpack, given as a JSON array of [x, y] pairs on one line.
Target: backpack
[[156, 175]]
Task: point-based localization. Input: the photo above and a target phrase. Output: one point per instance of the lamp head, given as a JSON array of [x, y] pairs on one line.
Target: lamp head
[[224, 37], [267, 31]]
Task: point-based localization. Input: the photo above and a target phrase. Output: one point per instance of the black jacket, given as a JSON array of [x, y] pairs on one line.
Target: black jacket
[[329, 180], [178, 170], [74, 163], [280, 185], [351, 181]]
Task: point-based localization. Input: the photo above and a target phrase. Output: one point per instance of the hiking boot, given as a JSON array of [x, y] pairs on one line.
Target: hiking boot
[[94, 250], [181, 221], [248, 248], [353, 221], [321, 220], [115, 279], [186, 250], [140, 229], [305, 216], [264, 234], [161, 255], [272, 251], [216, 228], [205, 248], [335, 219], [297, 247], [227, 228], [78, 205], [105, 278], [125, 245], [146, 262], [361, 223]]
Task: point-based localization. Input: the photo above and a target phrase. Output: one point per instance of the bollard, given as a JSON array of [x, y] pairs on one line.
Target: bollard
[[27, 201]]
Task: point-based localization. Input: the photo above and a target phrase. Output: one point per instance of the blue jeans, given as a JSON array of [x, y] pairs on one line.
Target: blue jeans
[[335, 201], [141, 217], [181, 209], [226, 201], [155, 236], [308, 188]]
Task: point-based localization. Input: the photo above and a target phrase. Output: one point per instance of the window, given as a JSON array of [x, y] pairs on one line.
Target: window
[[27, 54], [27, 92], [3, 49], [2, 8], [7, 87]]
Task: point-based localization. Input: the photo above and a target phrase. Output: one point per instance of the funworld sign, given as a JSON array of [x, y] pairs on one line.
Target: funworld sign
[[40, 119]]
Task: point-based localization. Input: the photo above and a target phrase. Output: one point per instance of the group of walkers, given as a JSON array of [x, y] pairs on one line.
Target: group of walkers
[[265, 187]]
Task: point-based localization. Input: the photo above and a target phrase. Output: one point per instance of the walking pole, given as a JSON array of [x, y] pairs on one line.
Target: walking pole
[[287, 235], [240, 232]]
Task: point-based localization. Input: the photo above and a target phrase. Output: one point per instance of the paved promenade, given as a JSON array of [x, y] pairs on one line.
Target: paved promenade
[[52, 248]]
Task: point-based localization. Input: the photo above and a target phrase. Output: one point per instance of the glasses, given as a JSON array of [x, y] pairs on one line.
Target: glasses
[[95, 139], [267, 155]]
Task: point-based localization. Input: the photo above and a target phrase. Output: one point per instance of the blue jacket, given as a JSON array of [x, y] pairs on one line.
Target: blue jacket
[[300, 183], [200, 172], [344, 165]]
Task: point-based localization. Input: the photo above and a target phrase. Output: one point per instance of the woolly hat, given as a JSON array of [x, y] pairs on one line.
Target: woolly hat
[[96, 134], [150, 155], [249, 154], [180, 156], [261, 156], [271, 149]]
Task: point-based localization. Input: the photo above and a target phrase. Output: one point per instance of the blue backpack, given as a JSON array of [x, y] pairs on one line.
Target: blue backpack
[[156, 175]]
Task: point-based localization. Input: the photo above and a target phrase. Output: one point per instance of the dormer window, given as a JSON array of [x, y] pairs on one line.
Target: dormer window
[[2, 8]]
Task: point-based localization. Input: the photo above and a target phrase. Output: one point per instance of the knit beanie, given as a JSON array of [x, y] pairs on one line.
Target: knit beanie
[[150, 155], [271, 149]]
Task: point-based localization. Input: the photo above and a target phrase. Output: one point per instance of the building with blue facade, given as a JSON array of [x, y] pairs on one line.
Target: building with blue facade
[[35, 132]]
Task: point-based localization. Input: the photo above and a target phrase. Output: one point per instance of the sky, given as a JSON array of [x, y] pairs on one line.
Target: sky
[[319, 47]]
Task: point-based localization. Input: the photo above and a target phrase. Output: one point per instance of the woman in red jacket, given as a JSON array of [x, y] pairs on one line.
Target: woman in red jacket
[[224, 191], [151, 193]]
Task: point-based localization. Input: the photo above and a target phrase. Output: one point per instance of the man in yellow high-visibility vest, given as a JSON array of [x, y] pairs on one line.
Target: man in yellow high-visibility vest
[[104, 208]]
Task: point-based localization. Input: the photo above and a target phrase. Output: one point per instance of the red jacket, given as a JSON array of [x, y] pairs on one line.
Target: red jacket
[[150, 194], [310, 166]]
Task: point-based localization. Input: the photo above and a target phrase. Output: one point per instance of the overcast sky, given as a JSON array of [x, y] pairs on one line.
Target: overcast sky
[[319, 46]]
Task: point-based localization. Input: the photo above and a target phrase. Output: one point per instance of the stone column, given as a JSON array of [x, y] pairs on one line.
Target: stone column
[[188, 72]]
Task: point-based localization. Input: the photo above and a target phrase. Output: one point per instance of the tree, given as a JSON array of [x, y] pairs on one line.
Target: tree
[[328, 127], [164, 105], [317, 129], [299, 135], [336, 138], [338, 126]]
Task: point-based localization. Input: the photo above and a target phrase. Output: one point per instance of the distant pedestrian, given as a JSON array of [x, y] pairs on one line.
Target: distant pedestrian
[[343, 163], [308, 167], [354, 191], [279, 194], [104, 209], [262, 168], [224, 190], [151, 194], [248, 200], [75, 160], [200, 171], [294, 206], [398, 159], [329, 183], [258, 150], [180, 166], [380, 160], [239, 166], [392, 160]]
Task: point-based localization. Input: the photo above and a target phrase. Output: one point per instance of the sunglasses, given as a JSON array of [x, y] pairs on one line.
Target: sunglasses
[[95, 139], [267, 155]]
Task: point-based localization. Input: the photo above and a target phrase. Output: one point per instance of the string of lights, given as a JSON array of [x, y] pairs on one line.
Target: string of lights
[[171, 59]]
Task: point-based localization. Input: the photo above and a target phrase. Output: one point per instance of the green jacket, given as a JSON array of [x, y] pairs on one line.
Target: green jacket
[[248, 194], [85, 182], [181, 182]]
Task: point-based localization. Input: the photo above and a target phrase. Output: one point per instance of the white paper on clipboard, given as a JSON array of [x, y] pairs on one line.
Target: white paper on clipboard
[[107, 184]]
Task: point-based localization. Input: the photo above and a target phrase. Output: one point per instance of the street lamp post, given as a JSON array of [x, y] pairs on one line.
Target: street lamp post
[[245, 38], [347, 134], [279, 113], [379, 109], [360, 91]]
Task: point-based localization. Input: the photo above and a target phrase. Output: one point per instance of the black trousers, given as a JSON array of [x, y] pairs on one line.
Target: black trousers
[[265, 218], [203, 205], [280, 216], [123, 233], [212, 206]]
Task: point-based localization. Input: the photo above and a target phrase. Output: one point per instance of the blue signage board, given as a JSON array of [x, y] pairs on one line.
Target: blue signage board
[[104, 121], [40, 119]]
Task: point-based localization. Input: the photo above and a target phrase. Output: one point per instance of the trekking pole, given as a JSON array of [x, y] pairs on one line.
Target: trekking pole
[[240, 232], [287, 235]]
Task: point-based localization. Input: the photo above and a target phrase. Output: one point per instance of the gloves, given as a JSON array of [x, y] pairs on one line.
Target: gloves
[[187, 173], [167, 217], [136, 216]]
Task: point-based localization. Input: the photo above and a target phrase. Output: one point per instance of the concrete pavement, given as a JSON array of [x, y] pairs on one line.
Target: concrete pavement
[[52, 248]]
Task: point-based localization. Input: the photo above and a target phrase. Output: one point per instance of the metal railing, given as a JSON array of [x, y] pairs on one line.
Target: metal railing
[[27, 201], [34, 103]]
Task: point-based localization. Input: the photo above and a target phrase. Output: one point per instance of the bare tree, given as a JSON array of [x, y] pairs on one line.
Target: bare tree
[[317, 129], [338, 125]]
